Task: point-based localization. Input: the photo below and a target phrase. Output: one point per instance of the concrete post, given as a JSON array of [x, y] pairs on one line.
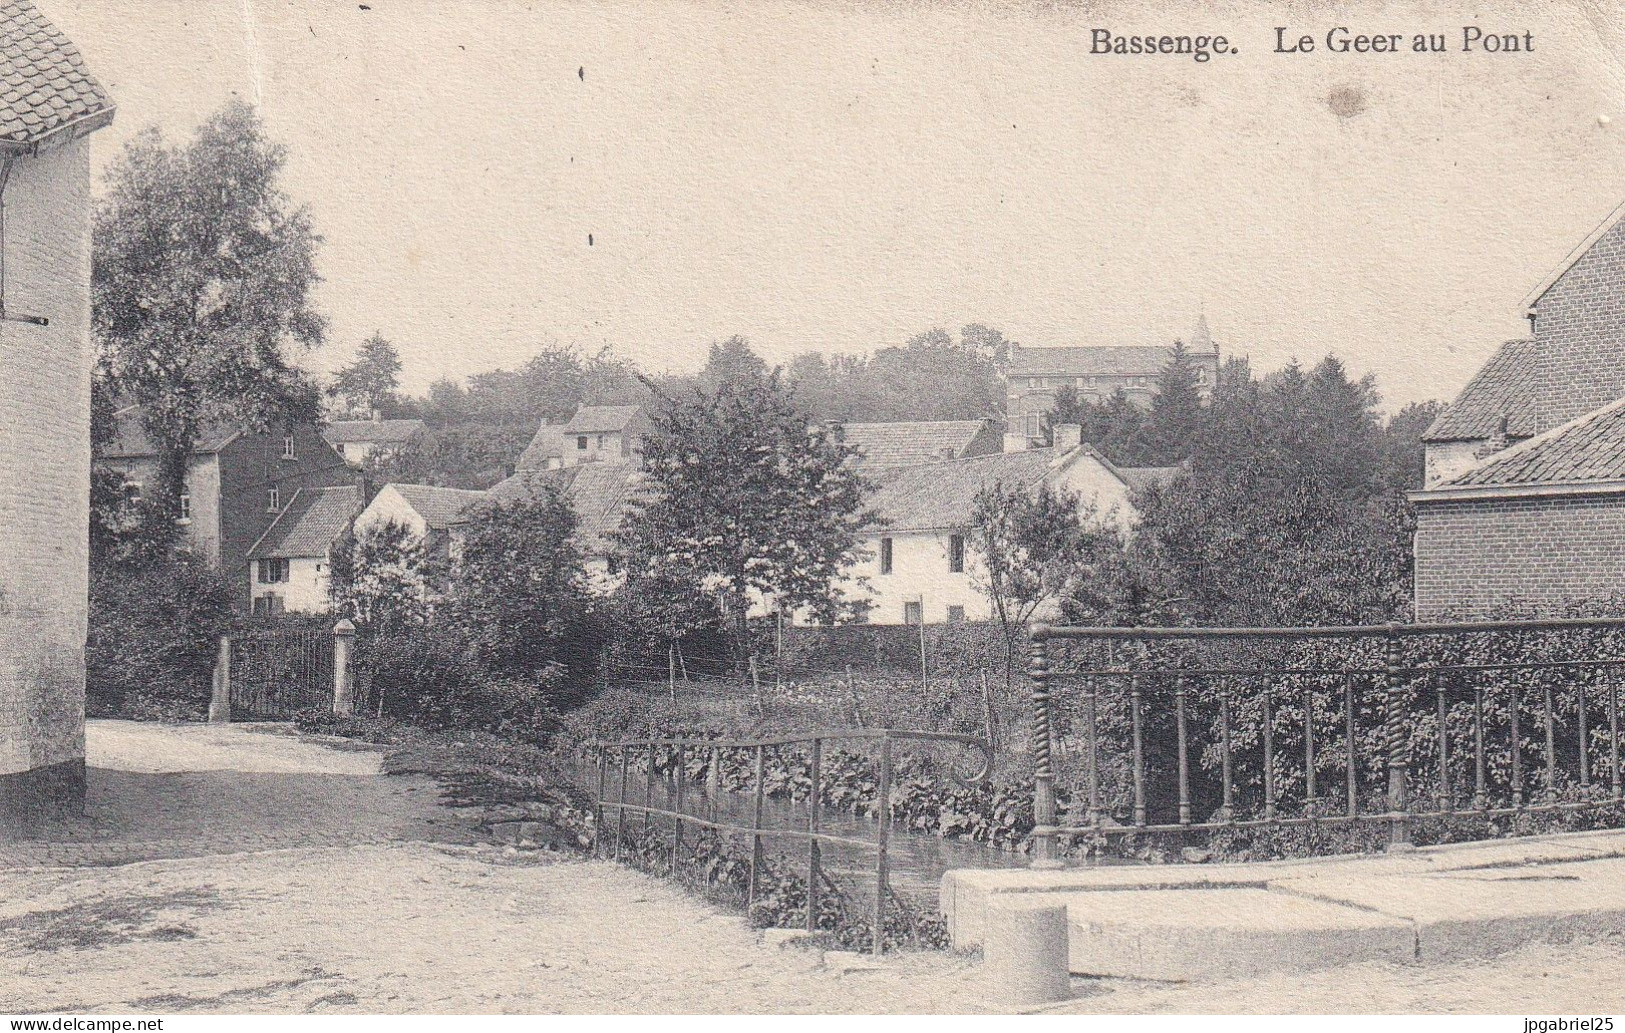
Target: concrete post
[[220, 702], [343, 677], [1025, 953]]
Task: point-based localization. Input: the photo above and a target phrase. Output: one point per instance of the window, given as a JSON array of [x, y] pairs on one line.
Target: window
[[1032, 425], [956, 615], [600, 441], [186, 507], [911, 612], [132, 490], [956, 554], [885, 555], [581, 443], [340, 447], [276, 501], [273, 572], [268, 605], [287, 446]]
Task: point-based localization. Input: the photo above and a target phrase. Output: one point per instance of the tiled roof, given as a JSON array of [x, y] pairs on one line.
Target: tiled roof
[[920, 441], [44, 85], [600, 494], [547, 444], [309, 524], [593, 418], [942, 495], [384, 432], [1585, 450], [130, 439], [1505, 386], [438, 506], [1116, 360]]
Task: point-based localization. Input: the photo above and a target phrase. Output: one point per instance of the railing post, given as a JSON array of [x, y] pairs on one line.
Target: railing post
[[220, 702], [343, 680], [815, 802], [1398, 745], [882, 837], [1044, 829]]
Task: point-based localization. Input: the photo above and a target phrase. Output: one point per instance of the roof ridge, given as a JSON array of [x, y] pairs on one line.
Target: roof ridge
[[1537, 441]]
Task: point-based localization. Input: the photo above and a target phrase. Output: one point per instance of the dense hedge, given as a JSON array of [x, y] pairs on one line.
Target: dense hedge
[[152, 637]]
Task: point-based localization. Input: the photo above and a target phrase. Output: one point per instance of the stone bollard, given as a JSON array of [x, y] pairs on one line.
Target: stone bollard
[[220, 702], [1024, 952], [343, 680]]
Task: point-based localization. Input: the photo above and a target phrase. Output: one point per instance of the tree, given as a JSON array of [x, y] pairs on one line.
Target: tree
[[1176, 412], [729, 361], [380, 578], [368, 383], [742, 504], [1032, 546], [519, 594], [202, 270]]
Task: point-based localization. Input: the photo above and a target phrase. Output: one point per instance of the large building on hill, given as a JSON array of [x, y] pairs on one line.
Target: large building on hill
[[1035, 376], [1524, 500], [49, 106]]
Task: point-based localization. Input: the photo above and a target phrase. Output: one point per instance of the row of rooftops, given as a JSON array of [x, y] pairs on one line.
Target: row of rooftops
[[1500, 412]]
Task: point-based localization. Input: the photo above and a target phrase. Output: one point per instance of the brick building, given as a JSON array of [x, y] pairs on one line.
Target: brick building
[[49, 104], [237, 482], [1035, 375], [1524, 499]]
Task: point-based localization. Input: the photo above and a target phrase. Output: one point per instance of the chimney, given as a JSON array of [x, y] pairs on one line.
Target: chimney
[[835, 430], [1068, 436], [363, 484], [1496, 443]]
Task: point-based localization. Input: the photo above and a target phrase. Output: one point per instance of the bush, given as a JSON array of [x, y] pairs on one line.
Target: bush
[[432, 677], [152, 637]]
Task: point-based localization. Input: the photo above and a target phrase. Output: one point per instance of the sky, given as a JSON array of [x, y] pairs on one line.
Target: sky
[[495, 177]]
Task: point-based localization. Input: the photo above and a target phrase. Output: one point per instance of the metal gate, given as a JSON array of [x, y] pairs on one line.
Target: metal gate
[[280, 672]]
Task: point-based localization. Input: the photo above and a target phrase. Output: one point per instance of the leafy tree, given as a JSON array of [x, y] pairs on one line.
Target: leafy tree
[[368, 383], [202, 273], [963, 379], [1031, 547], [730, 361], [519, 593], [380, 578], [743, 504], [470, 455]]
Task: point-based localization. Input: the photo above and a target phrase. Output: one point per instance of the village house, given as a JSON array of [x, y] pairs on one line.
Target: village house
[[1524, 500], [921, 566], [595, 434], [238, 482], [427, 512], [357, 440], [1034, 376], [599, 493], [291, 566], [49, 105]]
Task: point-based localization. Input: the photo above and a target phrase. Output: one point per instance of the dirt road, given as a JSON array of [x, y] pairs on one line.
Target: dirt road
[[295, 878]]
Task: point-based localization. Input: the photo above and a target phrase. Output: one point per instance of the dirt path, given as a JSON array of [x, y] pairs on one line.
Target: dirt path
[[372, 901]]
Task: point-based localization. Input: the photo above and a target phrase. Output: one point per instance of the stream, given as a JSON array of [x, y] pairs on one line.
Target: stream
[[917, 861]]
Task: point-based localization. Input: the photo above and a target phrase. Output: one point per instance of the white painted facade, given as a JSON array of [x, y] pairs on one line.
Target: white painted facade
[[389, 505], [306, 590]]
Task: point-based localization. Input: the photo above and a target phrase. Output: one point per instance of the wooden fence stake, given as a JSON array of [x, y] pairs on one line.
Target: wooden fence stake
[[987, 711]]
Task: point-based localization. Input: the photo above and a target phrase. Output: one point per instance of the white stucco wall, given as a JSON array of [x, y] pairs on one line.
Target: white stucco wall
[[1448, 459], [389, 505], [306, 589]]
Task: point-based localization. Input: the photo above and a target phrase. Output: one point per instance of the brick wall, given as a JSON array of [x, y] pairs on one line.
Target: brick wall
[[1580, 325], [1476, 554], [249, 468], [44, 472]]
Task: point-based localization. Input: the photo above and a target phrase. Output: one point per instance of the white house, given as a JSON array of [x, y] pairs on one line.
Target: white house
[[49, 107], [920, 564], [427, 511], [356, 440], [600, 494], [290, 567], [603, 434]]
